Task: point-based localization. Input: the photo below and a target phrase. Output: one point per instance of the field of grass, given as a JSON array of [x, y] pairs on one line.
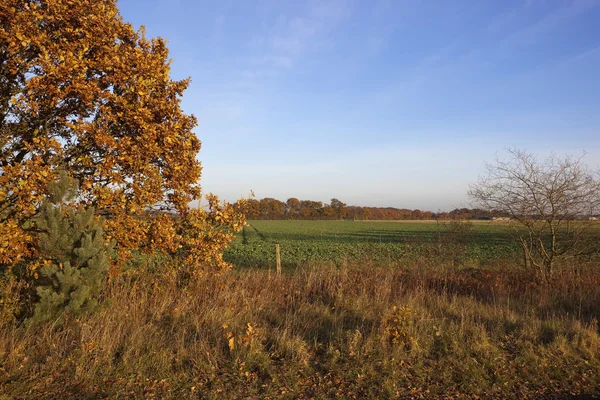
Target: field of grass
[[379, 242], [322, 332], [364, 310]]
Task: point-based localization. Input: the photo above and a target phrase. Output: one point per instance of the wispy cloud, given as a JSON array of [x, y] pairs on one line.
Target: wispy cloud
[[279, 61], [586, 55], [284, 39], [293, 36], [524, 27], [422, 72], [532, 32]]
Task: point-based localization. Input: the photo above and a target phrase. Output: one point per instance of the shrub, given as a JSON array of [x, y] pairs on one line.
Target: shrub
[[397, 324]]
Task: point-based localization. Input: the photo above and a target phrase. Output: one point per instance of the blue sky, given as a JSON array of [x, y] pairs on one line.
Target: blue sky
[[378, 102]]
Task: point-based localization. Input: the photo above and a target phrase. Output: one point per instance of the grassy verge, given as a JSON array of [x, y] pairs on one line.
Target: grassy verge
[[356, 332]]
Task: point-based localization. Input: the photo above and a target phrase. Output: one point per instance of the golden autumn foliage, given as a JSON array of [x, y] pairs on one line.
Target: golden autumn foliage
[[81, 90]]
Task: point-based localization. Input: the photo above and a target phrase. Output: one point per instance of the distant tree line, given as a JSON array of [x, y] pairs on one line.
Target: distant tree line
[[295, 209]]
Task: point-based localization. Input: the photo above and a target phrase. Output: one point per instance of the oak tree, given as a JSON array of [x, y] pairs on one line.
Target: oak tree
[[83, 91]]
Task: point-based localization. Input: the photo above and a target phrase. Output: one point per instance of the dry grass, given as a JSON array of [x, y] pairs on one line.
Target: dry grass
[[361, 332]]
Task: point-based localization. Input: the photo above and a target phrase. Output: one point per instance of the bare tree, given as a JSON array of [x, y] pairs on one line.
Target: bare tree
[[551, 203]]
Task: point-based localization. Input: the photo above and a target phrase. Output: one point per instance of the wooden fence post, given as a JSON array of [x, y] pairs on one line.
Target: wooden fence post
[[278, 259]]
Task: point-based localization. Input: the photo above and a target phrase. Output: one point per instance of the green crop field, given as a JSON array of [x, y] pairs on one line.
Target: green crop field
[[337, 242]]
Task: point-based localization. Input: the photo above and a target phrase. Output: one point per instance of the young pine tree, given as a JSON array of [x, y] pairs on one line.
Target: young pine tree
[[77, 256]]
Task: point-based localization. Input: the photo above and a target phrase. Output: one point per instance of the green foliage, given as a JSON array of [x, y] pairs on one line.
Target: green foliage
[[75, 252], [65, 189]]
